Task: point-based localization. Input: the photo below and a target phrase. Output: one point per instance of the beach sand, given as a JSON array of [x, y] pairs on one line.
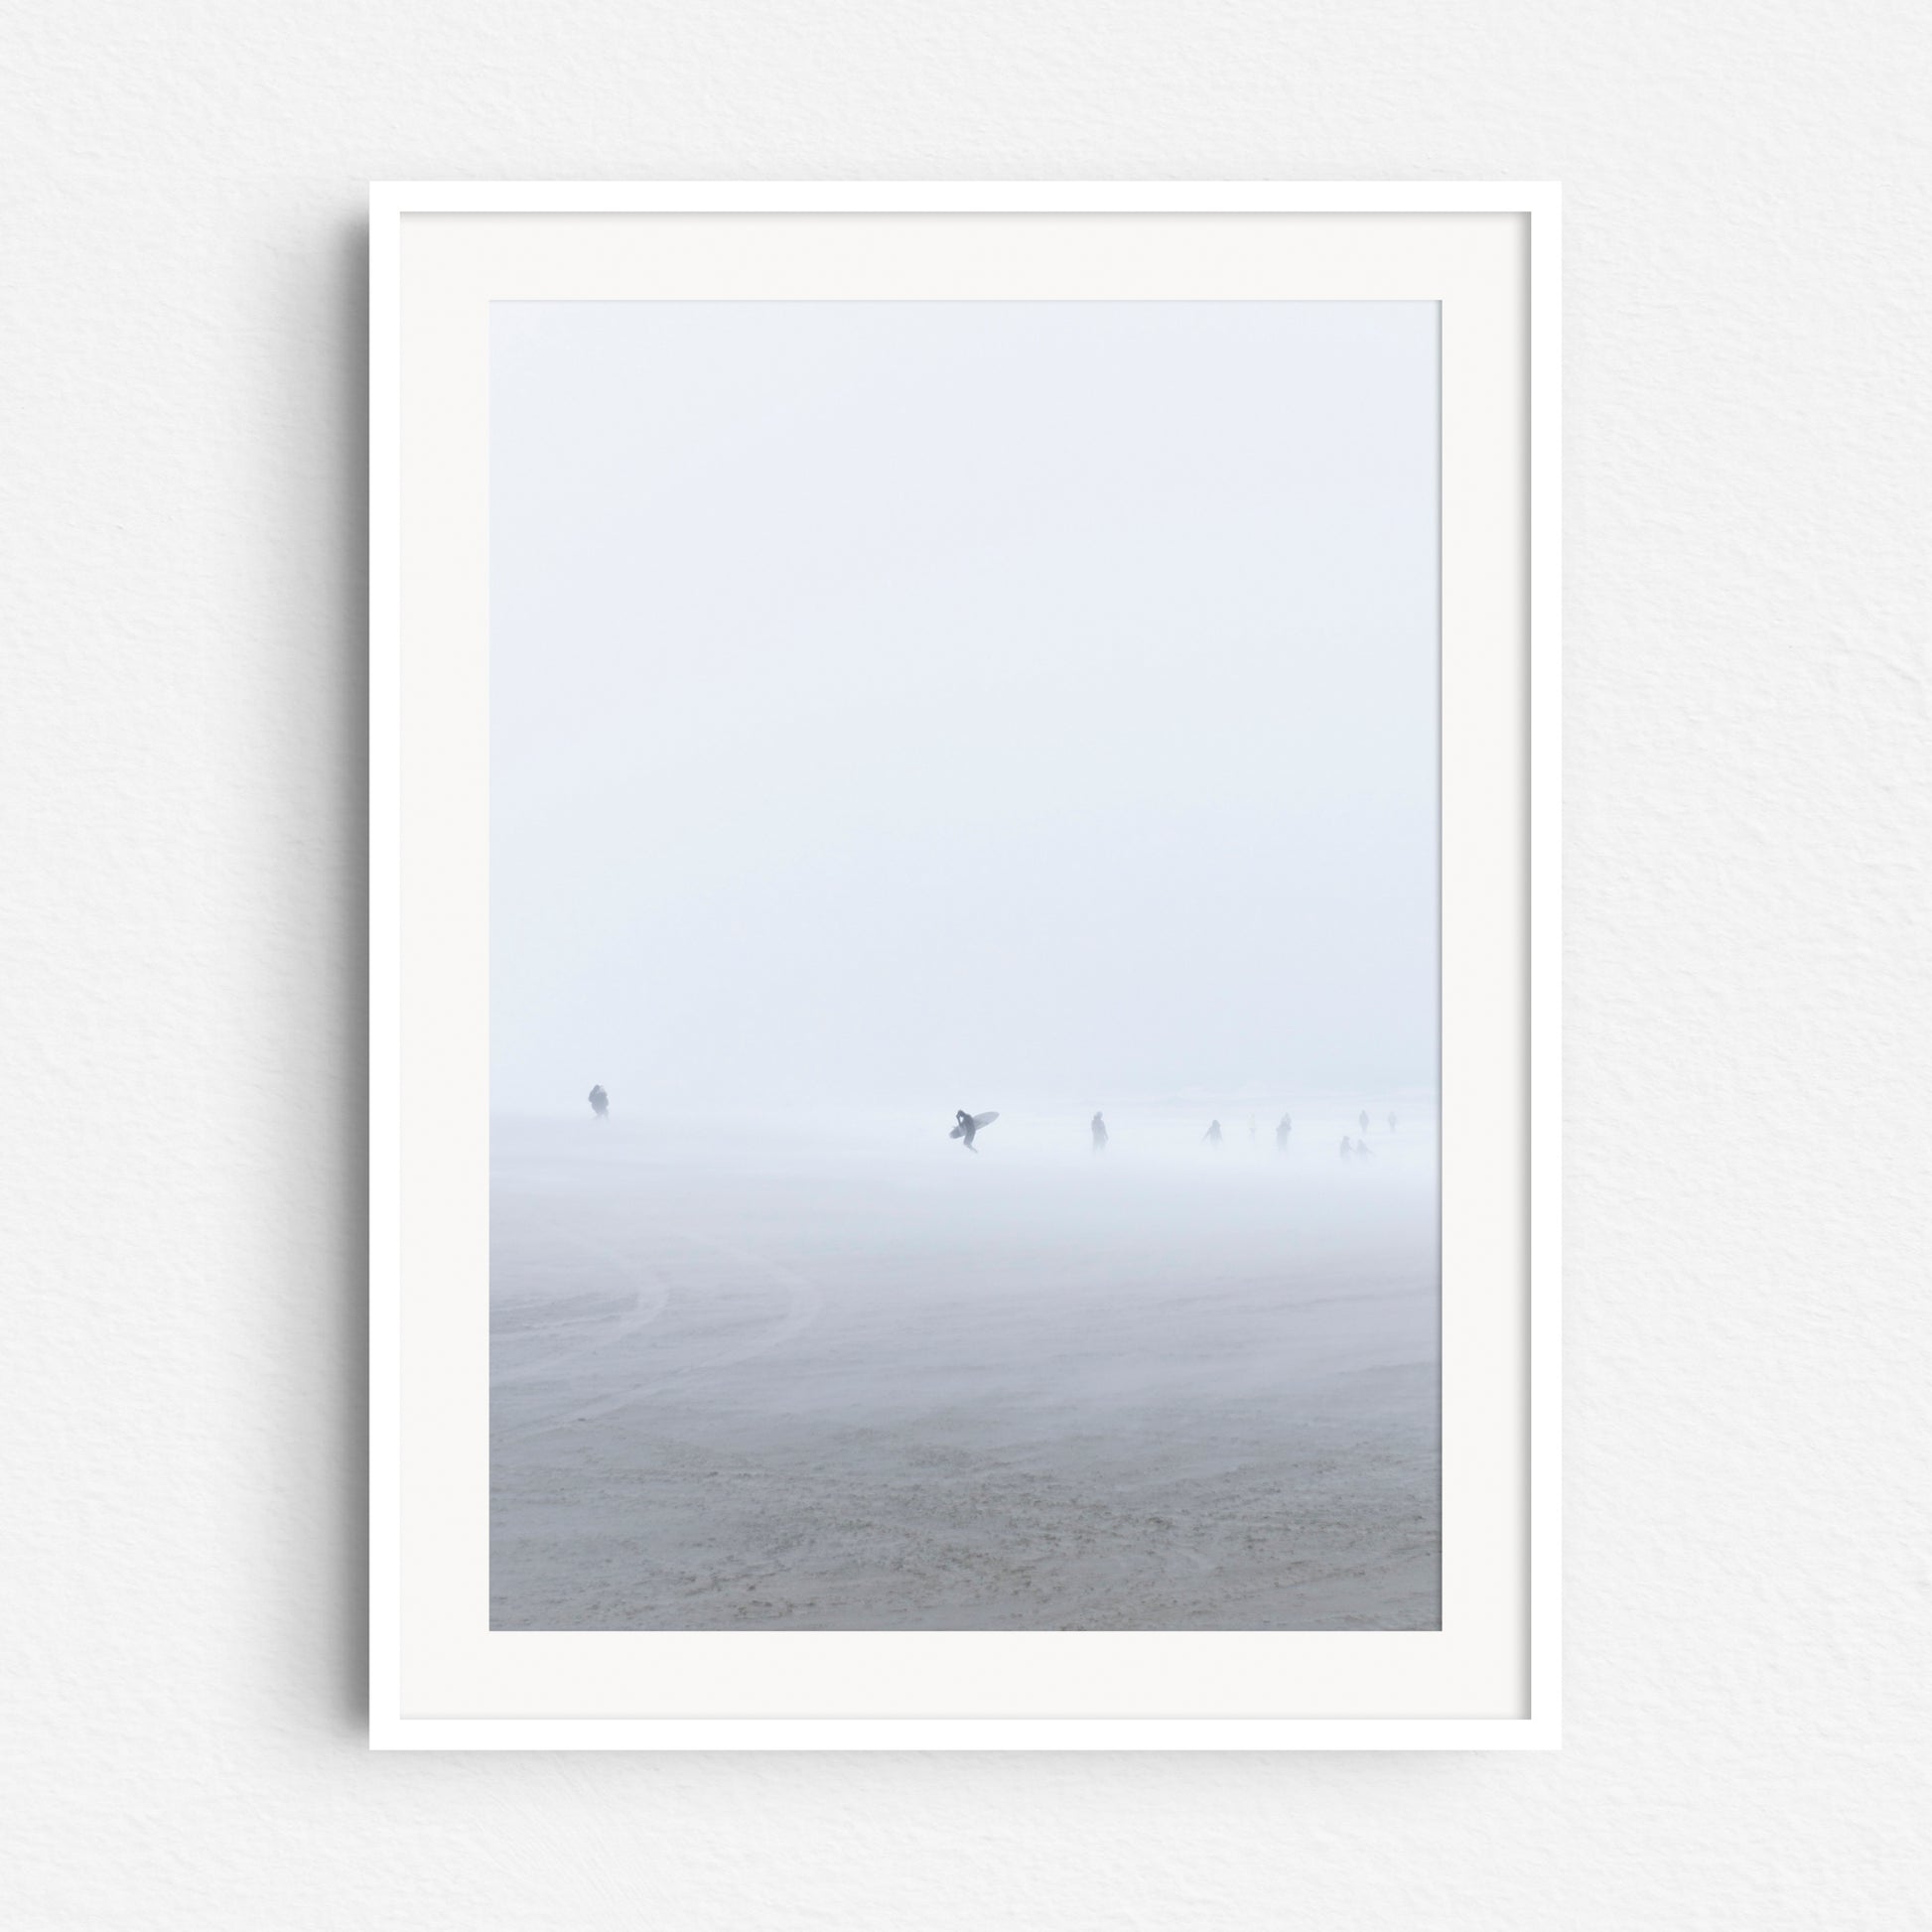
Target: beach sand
[[746, 1378]]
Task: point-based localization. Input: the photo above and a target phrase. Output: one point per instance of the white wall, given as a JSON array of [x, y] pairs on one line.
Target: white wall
[[180, 1085]]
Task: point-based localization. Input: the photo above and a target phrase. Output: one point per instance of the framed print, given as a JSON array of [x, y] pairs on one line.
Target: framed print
[[964, 1001]]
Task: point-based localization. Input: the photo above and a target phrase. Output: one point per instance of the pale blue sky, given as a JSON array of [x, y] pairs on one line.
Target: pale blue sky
[[895, 701]]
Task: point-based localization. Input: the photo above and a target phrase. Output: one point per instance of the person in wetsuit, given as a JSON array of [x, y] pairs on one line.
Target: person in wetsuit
[[969, 1125]]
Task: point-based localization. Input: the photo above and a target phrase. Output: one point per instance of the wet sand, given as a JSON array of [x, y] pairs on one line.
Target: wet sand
[[873, 1382]]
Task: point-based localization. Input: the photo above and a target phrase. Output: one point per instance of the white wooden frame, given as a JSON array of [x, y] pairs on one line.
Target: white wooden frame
[[1538, 1726]]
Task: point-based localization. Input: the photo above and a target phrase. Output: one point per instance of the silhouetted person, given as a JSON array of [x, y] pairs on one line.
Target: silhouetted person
[[1099, 1135], [969, 1125], [1283, 1129], [1347, 1147], [1213, 1134], [1391, 1123], [1362, 1120], [599, 1103]]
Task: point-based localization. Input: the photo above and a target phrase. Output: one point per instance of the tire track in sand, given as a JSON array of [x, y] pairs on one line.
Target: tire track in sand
[[805, 1302]]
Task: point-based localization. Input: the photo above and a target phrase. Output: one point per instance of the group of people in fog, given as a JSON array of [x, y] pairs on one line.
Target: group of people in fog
[[966, 1128], [1283, 1129], [969, 1124]]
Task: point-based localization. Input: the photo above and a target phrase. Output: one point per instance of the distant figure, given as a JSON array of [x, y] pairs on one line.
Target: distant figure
[[599, 1103], [1362, 1120], [1099, 1135], [1391, 1123], [1213, 1134], [1347, 1147], [969, 1125], [1283, 1129], [1363, 1149]]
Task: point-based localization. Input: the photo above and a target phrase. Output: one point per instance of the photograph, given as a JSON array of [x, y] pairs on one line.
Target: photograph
[[964, 965], [964, 968]]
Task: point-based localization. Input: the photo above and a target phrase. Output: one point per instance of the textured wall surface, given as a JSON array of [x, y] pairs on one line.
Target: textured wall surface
[[1750, 856]]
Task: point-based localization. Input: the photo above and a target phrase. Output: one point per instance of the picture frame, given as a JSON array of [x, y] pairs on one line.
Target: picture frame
[[1490, 1678]]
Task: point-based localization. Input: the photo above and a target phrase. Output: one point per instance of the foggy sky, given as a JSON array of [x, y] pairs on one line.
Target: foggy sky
[[943, 704]]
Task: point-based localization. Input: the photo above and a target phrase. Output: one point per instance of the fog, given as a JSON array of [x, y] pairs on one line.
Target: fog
[[745, 1377], [896, 703], [1023, 709]]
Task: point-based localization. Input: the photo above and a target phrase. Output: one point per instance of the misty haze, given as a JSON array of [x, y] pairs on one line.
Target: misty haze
[[964, 972]]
